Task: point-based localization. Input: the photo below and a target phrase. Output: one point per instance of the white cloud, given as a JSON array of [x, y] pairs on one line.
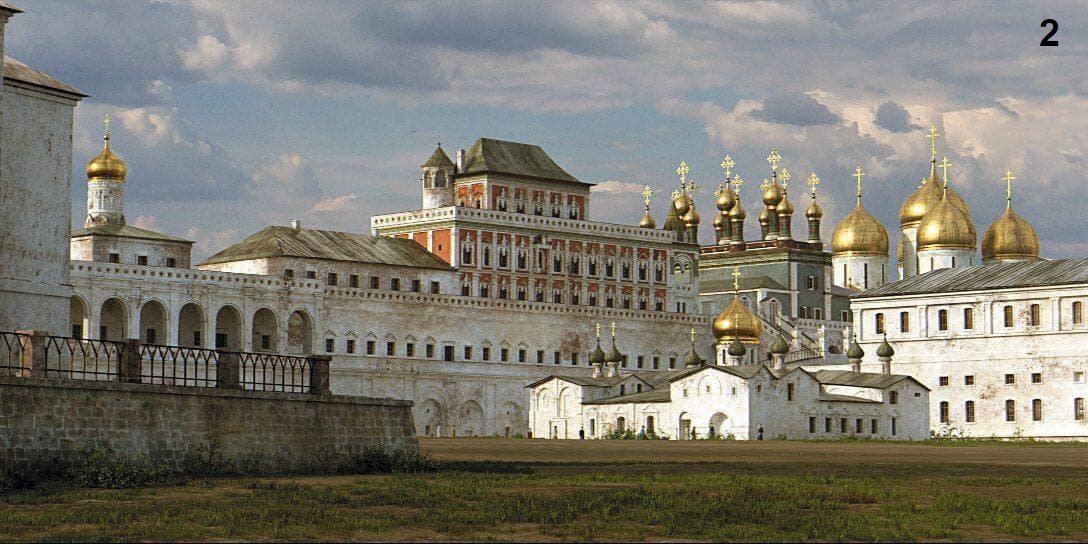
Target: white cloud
[[207, 55], [336, 203], [145, 221], [613, 187]]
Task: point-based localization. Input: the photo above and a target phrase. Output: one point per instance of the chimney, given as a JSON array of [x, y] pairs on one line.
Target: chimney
[[460, 160], [296, 224]]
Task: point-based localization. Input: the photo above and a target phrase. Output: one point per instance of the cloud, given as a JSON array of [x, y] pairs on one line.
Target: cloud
[[895, 118], [613, 187], [336, 203], [794, 109], [145, 221]]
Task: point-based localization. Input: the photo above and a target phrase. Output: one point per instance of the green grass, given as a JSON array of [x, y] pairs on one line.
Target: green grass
[[686, 501]]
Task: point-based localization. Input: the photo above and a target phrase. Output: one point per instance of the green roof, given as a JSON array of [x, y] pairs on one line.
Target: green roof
[[502, 157], [329, 245], [438, 158], [126, 231]]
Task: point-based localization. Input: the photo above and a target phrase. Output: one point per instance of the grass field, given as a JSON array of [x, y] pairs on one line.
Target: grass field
[[495, 489]]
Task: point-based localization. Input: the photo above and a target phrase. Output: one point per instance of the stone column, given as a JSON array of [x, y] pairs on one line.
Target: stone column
[[33, 353], [129, 362], [228, 370], [319, 374]]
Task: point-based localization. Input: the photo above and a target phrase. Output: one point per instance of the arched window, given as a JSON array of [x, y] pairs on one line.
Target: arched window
[[943, 415], [621, 424], [1033, 315], [942, 320], [904, 322], [880, 323], [1078, 312], [1010, 410], [1037, 409], [1008, 316], [969, 411]]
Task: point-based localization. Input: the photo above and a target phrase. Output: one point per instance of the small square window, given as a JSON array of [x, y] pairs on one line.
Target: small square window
[[1078, 377], [353, 280], [417, 286], [969, 379], [171, 262], [942, 381], [350, 347], [1036, 377], [394, 284], [288, 274], [331, 279], [113, 257], [330, 345], [311, 274], [375, 282], [1010, 379], [435, 287], [141, 260]]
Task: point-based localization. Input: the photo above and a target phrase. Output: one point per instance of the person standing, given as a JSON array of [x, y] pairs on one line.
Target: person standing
[[759, 433]]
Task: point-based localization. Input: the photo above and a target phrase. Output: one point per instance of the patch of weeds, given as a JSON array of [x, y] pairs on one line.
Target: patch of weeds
[[96, 469]]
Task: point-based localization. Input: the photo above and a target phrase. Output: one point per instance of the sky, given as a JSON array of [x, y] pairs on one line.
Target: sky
[[233, 116]]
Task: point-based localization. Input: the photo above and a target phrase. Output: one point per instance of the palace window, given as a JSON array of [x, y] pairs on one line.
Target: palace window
[[504, 354], [1010, 410], [1010, 379], [893, 397], [390, 348], [942, 320], [557, 264], [817, 313], [330, 345], [483, 290], [1078, 312], [113, 258], [904, 322], [872, 426], [504, 257], [370, 347], [522, 354], [942, 381], [1033, 315], [311, 274], [409, 349], [353, 280], [487, 256], [943, 413], [394, 284], [288, 273], [350, 347], [842, 425], [969, 411], [638, 361], [642, 271], [969, 379], [375, 282], [659, 273], [880, 323], [540, 295], [1008, 316], [827, 424], [575, 267], [485, 353], [811, 424], [435, 287], [1036, 377], [968, 318], [428, 351], [522, 294], [466, 289], [895, 427], [810, 282], [331, 279], [557, 296], [610, 268], [141, 260], [672, 363], [789, 391], [557, 357], [1078, 409], [468, 353], [625, 270], [657, 362], [1037, 409], [592, 266], [171, 262], [539, 356], [659, 305]]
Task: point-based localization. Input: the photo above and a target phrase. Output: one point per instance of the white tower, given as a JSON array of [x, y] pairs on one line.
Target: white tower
[[438, 180], [859, 248], [106, 186]]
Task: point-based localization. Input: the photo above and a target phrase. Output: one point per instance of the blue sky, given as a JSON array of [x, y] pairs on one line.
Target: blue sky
[[236, 115]]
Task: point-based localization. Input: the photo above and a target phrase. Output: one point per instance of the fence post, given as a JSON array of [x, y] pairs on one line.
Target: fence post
[[319, 374], [34, 353], [130, 362], [228, 370]]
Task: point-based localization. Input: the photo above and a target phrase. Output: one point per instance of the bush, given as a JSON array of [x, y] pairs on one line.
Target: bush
[[96, 469], [12, 479], [377, 459]]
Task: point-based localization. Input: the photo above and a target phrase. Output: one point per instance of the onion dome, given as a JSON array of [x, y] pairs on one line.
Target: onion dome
[[672, 219], [736, 349], [614, 355], [885, 349], [692, 359], [727, 198], [772, 194], [784, 207], [946, 226], [926, 198], [1010, 237], [736, 321], [738, 212], [899, 251], [597, 357], [691, 218], [720, 221], [681, 202], [855, 351], [779, 347], [764, 217], [647, 221], [814, 211], [107, 165], [859, 233]]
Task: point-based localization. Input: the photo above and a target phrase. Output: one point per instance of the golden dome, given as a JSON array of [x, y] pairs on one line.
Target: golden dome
[[926, 197], [691, 218], [720, 221], [764, 217], [647, 221], [738, 212], [681, 202], [737, 321], [946, 226], [107, 165], [814, 210], [859, 233], [784, 207], [726, 199], [772, 194], [1010, 237]]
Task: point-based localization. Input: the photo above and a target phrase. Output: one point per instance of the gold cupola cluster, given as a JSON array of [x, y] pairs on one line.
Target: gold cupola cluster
[[859, 233], [947, 224], [736, 321], [107, 165], [1010, 237], [682, 218]]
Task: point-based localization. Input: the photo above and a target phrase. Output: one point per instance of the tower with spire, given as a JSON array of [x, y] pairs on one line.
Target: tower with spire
[[437, 180], [106, 186]]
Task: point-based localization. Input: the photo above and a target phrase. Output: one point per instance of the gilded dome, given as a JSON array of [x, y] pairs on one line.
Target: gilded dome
[[726, 199], [784, 207], [772, 194], [764, 217], [614, 355], [885, 349], [691, 218], [720, 221], [737, 321], [647, 221], [926, 197], [946, 226], [107, 165], [598, 356], [780, 347], [738, 213], [859, 233], [1010, 237], [814, 211], [681, 202]]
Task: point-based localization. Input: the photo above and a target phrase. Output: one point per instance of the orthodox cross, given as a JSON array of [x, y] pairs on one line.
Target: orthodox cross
[[613, 330], [107, 126], [858, 173], [813, 181], [728, 165], [597, 329], [944, 169], [720, 189], [736, 183], [933, 135], [736, 278], [785, 176], [774, 158], [692, 335], [675, 194], [682, 171], [766, 183], [690, 187], [1008, 188], [647, 193]]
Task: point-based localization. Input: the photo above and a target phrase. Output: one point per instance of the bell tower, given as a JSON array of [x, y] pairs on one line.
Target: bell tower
[[437, 180], [106, 186]]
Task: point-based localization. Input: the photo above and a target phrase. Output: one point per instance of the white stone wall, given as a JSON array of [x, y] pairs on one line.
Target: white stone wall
[[321, 268], [860, 271], [908, 265], [1056, 349], [98, 248], [937, 259], [35, 173]]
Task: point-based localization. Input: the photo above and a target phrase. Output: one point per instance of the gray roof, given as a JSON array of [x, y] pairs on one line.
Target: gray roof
[[502, 157], [438, 158], [329, 245], [18, 71], [7, 7], [578, 380], [746, 284], [654, 395], [859, 379], [828, 397], [126, 231], [987, 277], [746, 372]]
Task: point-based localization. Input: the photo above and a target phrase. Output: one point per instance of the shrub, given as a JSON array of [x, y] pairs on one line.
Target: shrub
[[377, 459], [96, 469]]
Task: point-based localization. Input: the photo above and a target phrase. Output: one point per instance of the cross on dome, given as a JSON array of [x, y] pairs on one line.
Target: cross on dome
[[1008, 188], [813, 181], [647, 194], [933, 135], [785, 176], [736, 279], [597, 329], [682, 171], [728, 165], [945, 163], [859, 173], [736, 183], [774, 159], [692, 335]]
